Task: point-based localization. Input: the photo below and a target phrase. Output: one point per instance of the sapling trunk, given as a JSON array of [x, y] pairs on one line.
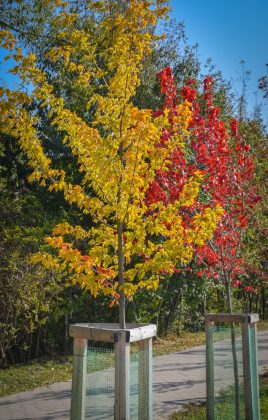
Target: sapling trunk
[[235, 363], [122, 299]]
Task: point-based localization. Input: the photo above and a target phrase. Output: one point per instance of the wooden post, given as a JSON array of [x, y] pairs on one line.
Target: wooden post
[[79, 379], [210, 370], [145, 408], [250, 370], [122, 370]]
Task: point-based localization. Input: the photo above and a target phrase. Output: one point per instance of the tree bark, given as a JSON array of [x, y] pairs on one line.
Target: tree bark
[[66, 335], [37, 342], [122, 299], [233, 341], [160, 304], [263, 303]]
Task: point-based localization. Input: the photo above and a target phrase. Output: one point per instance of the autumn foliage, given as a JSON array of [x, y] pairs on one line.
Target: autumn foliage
[[224, 159], [157, 187]]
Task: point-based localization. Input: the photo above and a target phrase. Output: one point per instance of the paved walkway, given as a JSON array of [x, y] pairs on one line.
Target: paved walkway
[[179, 378]]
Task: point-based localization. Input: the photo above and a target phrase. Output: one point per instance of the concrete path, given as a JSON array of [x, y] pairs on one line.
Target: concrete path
[[179, 378]]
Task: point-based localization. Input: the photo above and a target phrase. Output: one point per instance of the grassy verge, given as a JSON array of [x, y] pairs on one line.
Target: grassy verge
[[172, 344], [263, 325], [264, 395], [198, 411], [25, 377]]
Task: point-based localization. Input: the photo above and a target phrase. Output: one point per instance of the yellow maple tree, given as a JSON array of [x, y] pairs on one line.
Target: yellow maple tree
[[116, 154]]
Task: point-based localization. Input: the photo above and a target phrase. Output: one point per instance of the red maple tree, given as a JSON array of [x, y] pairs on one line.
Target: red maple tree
[[224, 158]]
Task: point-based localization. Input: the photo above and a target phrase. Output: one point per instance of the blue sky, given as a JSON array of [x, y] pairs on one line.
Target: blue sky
[[229, 31]]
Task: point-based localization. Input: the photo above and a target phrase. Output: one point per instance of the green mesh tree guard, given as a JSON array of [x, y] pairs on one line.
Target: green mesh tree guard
[[100, 392], [232, 367], [224, 372]]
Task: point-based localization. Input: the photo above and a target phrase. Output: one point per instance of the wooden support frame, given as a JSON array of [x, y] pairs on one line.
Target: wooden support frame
[[111, 333], [250, 361], [122, 376]]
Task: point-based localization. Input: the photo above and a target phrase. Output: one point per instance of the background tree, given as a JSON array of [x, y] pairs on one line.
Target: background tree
[[253, 287], [263, 84], [26, 292]]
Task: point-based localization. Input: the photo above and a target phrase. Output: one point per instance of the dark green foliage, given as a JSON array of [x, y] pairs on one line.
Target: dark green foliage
[[25, 291]]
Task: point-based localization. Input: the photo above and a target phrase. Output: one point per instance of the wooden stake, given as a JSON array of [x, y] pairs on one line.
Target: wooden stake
[[210, 371], [250, 371], [79, 379], [122, 370]]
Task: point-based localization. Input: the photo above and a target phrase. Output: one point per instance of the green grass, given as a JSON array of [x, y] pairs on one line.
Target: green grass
[[191, 412], [198, 411], [172, 344], [25, 377], [262, 325], [264, 396]]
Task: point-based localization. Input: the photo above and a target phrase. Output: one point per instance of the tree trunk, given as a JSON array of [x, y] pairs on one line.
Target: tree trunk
[[37, 342], [172, 310], [263, 303], [122, 299], [160, 304], [66, 333], [233, 340], [257, 303], [11, 357], [30, 341]]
